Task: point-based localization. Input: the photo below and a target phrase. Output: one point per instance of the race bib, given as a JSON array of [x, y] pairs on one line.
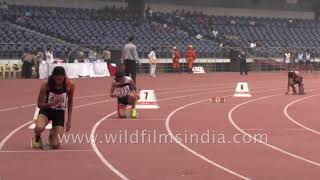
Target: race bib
[[62, 105], [123, 91]]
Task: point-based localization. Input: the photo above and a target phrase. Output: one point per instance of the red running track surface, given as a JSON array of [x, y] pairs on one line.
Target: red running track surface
[[289, 122]]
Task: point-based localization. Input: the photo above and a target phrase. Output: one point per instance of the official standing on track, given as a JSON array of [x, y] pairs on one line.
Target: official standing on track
[[153, 62], [28, 61], [130, 58]]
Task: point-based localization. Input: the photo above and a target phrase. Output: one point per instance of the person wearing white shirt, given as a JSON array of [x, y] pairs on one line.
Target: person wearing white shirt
[[300, 60], [49, 56], [153, 62], [92, 55], [287, 56], [308, 65], [253, 45], [215, 33]]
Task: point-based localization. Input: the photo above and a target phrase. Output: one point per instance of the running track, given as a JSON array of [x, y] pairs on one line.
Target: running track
[[290, 123]]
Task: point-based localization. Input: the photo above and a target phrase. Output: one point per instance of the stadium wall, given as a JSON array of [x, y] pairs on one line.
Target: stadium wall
[[235, 11], [92, 4]]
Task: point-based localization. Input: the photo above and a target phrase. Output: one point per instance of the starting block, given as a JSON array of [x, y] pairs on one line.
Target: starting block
[[218, 100], [35, 117]]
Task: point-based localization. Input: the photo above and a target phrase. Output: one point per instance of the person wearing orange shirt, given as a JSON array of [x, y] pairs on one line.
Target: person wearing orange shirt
[[175, 59], [190, 57]]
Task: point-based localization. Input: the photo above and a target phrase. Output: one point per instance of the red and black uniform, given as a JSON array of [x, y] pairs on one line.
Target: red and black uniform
[[56, 113], [123, 90], [296, 77]]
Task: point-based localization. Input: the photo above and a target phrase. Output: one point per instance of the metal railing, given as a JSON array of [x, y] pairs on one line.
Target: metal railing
[[259, 59]]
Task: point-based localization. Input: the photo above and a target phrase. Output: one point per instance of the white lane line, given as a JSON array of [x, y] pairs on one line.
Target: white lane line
[[48, 151], [194, 152], [99, 154], [29, 105], [8, 109], [275, 129], [135, 120], [285, 111], [4, 140], [2, 143], [231, 120], [108, 163], [100, 95], [191, 150]]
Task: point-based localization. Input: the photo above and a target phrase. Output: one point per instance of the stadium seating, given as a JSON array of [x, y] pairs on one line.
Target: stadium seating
[[61, 27]]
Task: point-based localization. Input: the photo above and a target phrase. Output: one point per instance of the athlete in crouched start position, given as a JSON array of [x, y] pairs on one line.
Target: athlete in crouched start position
[[295, 77], [124, 89]]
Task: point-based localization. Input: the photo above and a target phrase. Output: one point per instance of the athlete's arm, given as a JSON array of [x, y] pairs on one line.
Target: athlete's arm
[[113, 87], [288, 86], [42, 95], [70, 106], [133, 86]]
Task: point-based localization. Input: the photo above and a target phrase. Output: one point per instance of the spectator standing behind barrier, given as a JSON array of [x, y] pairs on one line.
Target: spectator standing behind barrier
[[39, 59], [49, 56], [130, 58], [190, 57], [28, 60], [92, 55], [300, 60], [293, 58], [287, 59], [243, 62], [80, 55], [153, 62], [308, 65], [176, 59], [71, 55], [106, 55], [63, 55]]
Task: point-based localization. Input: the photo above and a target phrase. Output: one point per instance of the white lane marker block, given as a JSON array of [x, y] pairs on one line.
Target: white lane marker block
[[198, 70], [148, 100], [242, 90], [33, 125]]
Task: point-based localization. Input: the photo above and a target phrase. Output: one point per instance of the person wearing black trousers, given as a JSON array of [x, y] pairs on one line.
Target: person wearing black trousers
[[243, 62], [28, 60], [130, 57]]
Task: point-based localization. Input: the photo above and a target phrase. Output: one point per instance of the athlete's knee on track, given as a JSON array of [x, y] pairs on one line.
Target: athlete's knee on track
[[122, 113], [41, 123], [132, 98], [121, 110]]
